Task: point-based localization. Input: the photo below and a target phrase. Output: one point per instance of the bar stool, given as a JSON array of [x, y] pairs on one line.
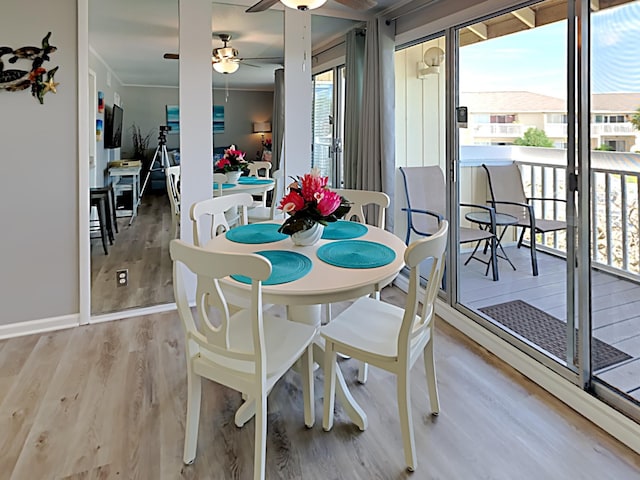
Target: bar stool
[[110, 208], [98, 200]]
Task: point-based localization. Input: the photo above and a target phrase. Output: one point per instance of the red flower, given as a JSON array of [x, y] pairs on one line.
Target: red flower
[[312, 183], [292, 202]]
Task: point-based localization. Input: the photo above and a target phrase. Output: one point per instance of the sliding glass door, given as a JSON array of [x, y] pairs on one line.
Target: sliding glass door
[[511, 111], [615, 198], [328, 124]]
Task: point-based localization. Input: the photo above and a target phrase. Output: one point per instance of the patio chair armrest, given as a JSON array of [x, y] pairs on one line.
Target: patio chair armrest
[[547, 199], [425, 212]]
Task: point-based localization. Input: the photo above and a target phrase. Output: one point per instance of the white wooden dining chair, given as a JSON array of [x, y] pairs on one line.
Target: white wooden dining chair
[[254, 171], [360, 199], [392, 338], [219, 179], [172, 177], [261, 213], [217, 211], [256, 167], [248, 351]]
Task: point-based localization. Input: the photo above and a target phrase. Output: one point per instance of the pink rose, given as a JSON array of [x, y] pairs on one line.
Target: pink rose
[[329, 202]]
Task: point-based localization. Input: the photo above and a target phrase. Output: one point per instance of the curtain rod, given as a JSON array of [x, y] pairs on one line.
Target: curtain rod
[[360, 32], [415, 9]]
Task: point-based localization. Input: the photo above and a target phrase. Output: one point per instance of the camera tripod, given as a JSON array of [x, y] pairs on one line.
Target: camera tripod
[[161, 157]]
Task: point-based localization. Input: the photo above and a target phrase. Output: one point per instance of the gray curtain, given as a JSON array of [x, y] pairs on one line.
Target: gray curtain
[[375, 163], [354, 72], [277, 122]]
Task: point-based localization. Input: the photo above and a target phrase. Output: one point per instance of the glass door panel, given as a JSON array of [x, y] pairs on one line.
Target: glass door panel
[[511, 112], [323, 100], [615, 197]]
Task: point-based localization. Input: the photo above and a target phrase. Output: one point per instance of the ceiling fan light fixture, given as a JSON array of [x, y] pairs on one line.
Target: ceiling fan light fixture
[[226, 52], [226, 66], [303, 5]]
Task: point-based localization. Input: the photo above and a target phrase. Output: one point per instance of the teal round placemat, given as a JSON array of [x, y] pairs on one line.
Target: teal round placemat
[[224, 185], [356, 254], [286, 267], [256, 233], [254, 181], [344, 230]]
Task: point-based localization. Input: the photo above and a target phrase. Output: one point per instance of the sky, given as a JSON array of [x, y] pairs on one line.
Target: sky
[[535, 60]]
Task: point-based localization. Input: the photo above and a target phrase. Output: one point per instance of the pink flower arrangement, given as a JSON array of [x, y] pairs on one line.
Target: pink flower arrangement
[[232, 161], [266, 144], [309, 201]]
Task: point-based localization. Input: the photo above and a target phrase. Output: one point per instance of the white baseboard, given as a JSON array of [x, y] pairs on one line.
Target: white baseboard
[[135, 312], [39, 326]]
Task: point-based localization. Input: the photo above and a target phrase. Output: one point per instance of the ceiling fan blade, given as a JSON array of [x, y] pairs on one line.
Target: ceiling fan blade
[[358, 4], [171, 56], [265, 59], [248, 64], [261, 6]]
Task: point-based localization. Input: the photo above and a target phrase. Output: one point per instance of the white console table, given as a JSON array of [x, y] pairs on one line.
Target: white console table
[[126, 179]]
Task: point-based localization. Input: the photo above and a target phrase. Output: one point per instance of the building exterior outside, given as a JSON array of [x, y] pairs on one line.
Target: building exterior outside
[[499, 118]]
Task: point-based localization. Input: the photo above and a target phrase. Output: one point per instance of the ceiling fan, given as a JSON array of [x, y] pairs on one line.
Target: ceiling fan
[[305, 5], [225, 59]]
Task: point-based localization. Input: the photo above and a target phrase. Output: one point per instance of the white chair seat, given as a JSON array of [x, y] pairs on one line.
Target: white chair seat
[[283, 340]]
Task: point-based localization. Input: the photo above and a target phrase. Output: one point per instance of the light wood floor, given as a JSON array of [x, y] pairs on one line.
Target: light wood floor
[[107, 401], [143, 249]]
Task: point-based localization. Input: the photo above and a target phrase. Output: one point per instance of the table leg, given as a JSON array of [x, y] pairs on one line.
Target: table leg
[[311, 315]]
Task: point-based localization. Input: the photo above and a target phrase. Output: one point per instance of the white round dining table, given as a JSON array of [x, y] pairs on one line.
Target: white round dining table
[[324, 284], [251, 188]]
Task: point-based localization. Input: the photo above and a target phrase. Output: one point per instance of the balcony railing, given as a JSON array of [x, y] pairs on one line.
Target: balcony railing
[[615, 201], [612, 129], [499, 130]]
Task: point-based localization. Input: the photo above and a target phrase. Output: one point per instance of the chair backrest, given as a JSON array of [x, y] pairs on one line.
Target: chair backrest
[[172, 177], [215, 209], [425, 190], [505, 185], [360, 199], [417, 327], [255, 167], [209, 267], [218, 180], [278, 193]]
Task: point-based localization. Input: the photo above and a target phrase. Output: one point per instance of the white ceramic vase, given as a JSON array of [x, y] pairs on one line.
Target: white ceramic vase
[[308, 237], [233, 177]]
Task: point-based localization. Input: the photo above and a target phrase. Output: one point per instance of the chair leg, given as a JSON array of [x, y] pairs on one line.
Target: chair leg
[[329, 385], [534, 255], [430, 370], [259, 461], [521, 239], [406, 424], [307, 387], [194, 395], [363, 372]]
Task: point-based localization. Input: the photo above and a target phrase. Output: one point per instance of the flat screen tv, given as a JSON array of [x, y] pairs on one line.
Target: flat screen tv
[[113, 128]]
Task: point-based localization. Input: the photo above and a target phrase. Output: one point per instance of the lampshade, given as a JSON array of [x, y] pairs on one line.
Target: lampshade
[[303, 4], [225, 66], [261, 127]]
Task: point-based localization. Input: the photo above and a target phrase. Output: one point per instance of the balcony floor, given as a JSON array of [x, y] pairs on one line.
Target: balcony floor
[[615, 304]]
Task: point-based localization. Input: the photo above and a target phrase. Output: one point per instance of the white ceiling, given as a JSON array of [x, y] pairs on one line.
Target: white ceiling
[[131, 37]]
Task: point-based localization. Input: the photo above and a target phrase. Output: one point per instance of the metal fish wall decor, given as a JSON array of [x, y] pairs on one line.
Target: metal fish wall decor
[[16, 79]]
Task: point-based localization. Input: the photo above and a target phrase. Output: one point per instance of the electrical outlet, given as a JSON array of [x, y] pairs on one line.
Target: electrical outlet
[[122, 277]]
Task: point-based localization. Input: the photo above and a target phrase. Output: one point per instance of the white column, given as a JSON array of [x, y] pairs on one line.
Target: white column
[[298, 92], [196, 136]]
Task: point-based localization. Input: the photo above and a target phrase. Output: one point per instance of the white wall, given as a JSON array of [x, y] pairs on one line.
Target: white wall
[[241, 109], [39, 194], [109, 85]]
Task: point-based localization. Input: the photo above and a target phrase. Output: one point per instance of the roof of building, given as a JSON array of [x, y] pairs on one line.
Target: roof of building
[[511, 102]]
